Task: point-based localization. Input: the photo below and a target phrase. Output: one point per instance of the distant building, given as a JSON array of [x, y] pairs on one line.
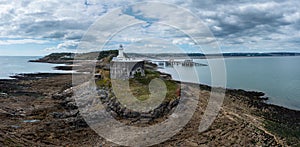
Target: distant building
[[70, 56], [123, 67]]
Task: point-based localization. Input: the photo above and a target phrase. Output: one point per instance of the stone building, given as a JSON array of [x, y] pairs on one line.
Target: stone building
[[123, 67]]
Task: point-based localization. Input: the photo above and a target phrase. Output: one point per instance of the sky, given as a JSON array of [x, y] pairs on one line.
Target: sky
[[41, 27]]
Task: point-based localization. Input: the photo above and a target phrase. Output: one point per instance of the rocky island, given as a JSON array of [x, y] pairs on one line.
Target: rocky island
[[39, 110]]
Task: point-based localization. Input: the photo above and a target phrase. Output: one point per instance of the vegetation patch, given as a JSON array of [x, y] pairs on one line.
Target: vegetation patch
[[105, 79], [139, 86], [291, 133], [110, 53]]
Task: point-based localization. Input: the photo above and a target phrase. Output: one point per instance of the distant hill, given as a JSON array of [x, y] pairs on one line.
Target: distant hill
[[67, 58], [201, 55]]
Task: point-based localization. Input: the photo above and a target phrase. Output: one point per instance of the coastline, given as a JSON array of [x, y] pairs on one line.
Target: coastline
[[258, 95], [50, 104]]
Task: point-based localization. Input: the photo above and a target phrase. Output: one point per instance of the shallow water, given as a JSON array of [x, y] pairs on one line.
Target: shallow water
[[12, 65], [278, 77]]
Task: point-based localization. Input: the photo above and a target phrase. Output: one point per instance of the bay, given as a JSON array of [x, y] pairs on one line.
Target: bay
[[12, 65], [278, 77]]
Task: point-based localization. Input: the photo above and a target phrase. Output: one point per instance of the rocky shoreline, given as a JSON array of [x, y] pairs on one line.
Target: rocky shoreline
[[39, 110]]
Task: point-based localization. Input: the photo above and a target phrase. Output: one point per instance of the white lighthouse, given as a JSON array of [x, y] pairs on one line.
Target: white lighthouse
[[123, 67], [121, 52]]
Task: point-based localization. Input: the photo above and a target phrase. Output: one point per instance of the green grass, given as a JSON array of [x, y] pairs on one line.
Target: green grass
[[139, 85], [109, 53], [105, 80], [103, 83], [172, 88]]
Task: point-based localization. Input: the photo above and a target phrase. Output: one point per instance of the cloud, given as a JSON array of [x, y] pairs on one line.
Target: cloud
[[22, 41], [68, 45], [258, 24], [65, 46], [237, 22]]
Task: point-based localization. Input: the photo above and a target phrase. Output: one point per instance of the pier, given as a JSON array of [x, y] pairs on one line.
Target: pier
[[172, 62]]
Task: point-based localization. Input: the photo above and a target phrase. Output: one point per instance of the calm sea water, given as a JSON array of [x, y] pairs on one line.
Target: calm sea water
[[278, 77], [12, 65]]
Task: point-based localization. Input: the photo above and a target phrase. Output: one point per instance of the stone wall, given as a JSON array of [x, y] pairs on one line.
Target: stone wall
[[115, 108], [126, 70]]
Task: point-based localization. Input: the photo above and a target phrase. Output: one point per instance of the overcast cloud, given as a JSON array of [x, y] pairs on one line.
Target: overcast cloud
[[257, 25]]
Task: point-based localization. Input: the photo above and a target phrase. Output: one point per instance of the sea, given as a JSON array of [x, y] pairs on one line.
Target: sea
[[277, 77], [13, 65]]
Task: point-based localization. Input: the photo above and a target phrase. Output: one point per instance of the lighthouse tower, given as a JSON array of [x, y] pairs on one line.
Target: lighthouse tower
[[121, 52], [123, 67]]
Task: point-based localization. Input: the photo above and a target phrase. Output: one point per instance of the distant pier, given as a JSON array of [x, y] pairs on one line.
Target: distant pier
[[172, 62]]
